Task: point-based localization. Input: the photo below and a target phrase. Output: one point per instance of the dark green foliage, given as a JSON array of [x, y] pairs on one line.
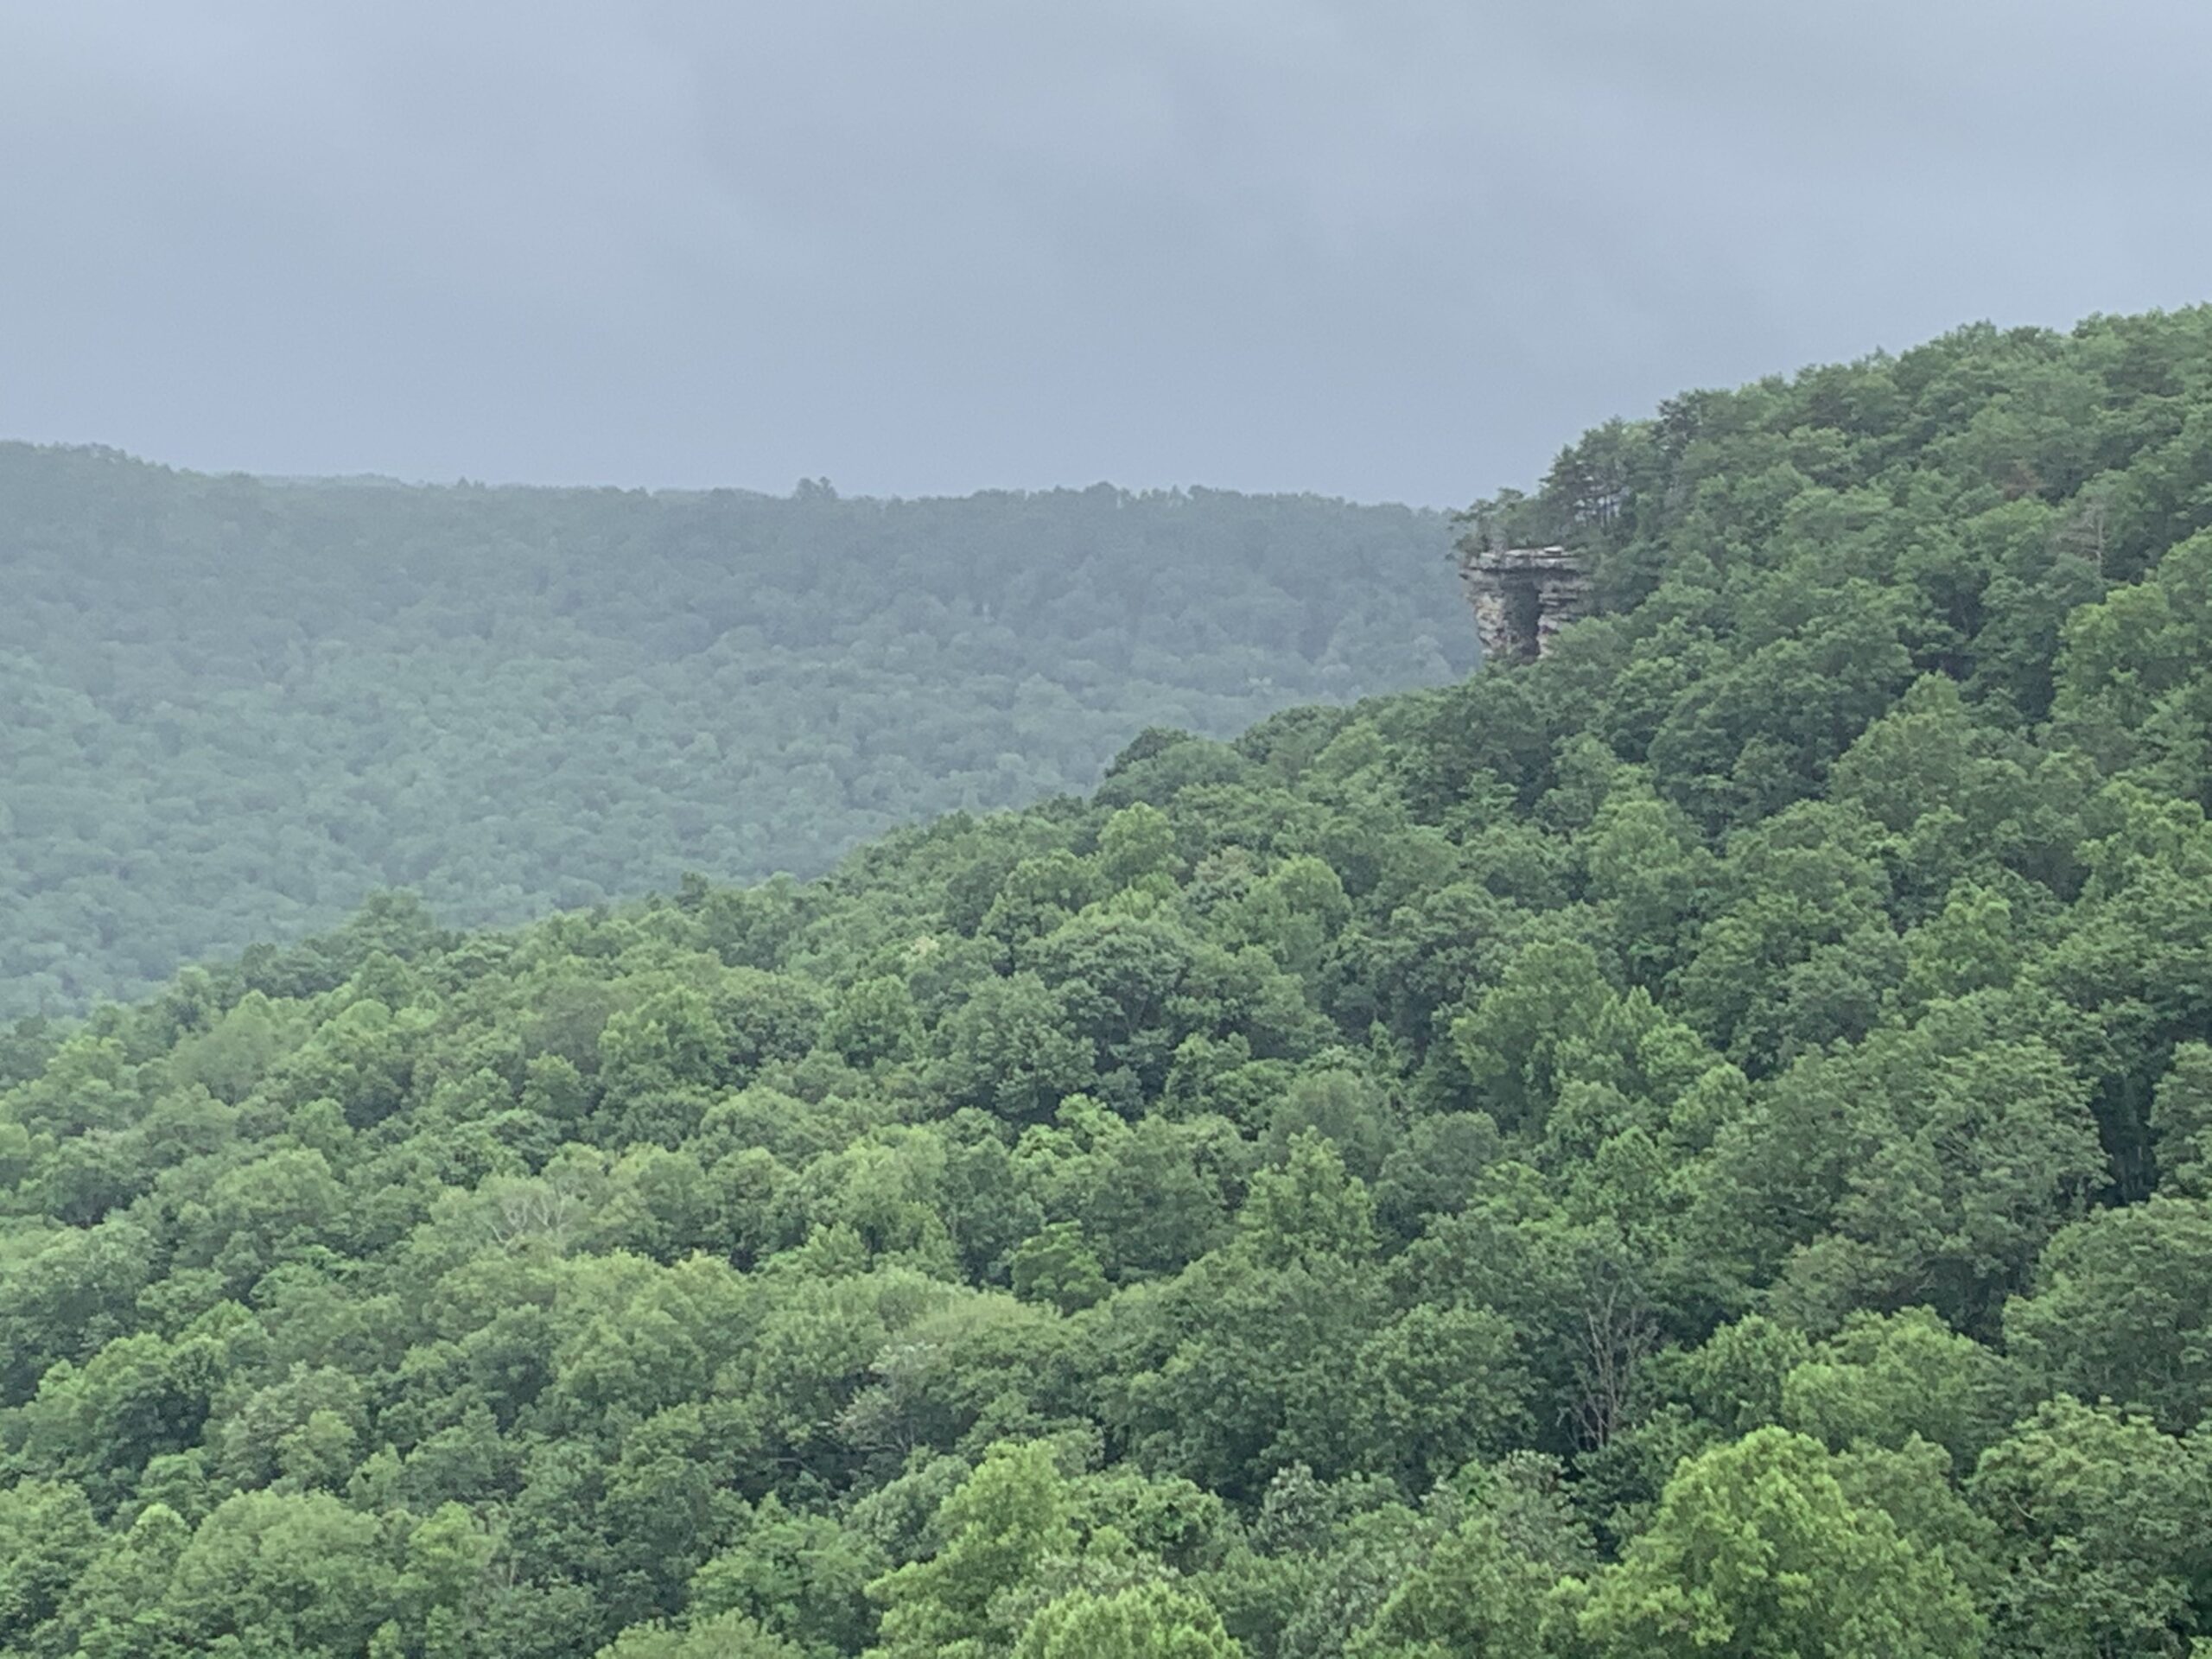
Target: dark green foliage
[[1698, 1144]]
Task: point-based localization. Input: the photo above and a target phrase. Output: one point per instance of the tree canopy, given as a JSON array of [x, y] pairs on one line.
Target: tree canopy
[[1695, 1144], [235, 707]]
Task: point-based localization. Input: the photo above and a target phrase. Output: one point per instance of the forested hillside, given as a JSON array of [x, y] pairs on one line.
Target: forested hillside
[[233, 708], [1698, 1145]]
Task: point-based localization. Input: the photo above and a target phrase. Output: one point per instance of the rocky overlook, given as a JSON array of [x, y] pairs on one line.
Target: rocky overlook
[[1522, 596]]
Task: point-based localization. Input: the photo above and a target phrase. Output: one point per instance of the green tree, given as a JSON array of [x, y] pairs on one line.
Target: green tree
[[272, 1572], [1487, 1588], [1136, 841], [802, 1577], [2089, 1502], [725, 1636], [1756, 1550], [1882, 1380], [2181, 1117], [876, 1020], [1010, 1051], [1011, 1514], [1149, 1621], [2117, 1311], [1436, 1387], [1309, 1207], [1055, 1266], [48, 1537]]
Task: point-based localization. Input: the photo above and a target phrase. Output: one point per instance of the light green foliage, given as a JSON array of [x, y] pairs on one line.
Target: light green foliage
[[1520, 1043], [1012, 1513], [1150, 1621], [1960, 1189], [1310, 1207], [277, 1574], [1137, 842], [1757, 1550], [876, 1020], [1882, 1380], [1296, 911], [1009, 1051]]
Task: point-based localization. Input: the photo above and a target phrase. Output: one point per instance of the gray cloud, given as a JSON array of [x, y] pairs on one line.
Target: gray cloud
[[1391, 249]]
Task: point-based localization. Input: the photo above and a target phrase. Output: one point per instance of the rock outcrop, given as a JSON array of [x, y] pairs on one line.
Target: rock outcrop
[[1522, 596]]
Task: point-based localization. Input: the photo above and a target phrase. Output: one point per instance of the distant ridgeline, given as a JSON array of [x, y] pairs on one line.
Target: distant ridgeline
[[1695, 1140], [234, 707]]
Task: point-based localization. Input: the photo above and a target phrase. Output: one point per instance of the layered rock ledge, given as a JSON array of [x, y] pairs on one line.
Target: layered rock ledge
[[1522, 596]]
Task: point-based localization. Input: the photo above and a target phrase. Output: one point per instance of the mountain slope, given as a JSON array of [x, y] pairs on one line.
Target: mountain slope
[[1699, 1144]]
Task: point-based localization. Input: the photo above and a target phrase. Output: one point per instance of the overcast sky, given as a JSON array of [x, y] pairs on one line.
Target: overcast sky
[[1385, 249]]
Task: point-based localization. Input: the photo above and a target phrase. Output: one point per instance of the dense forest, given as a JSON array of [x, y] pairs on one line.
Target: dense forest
[[1700, 1144], [236, 708]]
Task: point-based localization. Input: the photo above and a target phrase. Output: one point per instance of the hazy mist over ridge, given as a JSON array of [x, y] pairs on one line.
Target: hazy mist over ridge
[[1389, 250]]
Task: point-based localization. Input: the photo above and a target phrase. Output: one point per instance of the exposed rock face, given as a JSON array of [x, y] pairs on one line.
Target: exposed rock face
[[1522, 596]]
